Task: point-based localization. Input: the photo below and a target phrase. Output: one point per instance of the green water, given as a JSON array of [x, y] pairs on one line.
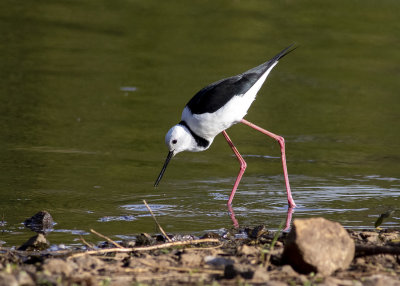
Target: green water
[[88, 90]]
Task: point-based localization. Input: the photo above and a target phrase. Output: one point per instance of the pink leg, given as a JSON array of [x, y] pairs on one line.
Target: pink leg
[[243, 166], [281, 142], [288, 218], [233, 218]]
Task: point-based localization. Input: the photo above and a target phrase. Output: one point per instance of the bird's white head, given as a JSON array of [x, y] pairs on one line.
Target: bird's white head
[[178, 139]]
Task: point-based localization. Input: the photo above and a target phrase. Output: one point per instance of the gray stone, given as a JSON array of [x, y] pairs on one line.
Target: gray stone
[[41, 222], [218, 261], [318, 245], [233, 270]]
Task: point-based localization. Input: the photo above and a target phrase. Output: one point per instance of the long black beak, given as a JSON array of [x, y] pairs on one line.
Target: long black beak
[[170, 155]]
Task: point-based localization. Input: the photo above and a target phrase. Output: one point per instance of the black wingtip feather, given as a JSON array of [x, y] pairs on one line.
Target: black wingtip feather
[[284, 52], [265, 66]]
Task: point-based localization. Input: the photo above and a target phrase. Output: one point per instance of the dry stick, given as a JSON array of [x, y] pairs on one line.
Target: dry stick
[[85, 242], [203, 248], [176, 243], [366, 250], [159, 226], [153, 247], [107, 238]]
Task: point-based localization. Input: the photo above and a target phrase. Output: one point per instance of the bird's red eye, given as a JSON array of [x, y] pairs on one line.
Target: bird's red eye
[[174, 141]]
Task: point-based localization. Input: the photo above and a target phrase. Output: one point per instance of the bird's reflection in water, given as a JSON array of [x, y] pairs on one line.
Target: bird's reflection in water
[[235, 222]]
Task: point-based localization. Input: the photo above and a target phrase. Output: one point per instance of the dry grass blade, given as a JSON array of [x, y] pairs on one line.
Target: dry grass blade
[[274, 240], [155, 220], [107, 238]]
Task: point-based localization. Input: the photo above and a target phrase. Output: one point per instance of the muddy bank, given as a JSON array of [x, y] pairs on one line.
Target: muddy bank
[[252, 256]]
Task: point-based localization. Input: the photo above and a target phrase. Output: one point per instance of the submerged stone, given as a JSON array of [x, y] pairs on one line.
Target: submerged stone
[[41, 222], [37, 242]]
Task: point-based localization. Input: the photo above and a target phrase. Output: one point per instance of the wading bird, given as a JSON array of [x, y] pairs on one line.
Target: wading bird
[[217, 107]]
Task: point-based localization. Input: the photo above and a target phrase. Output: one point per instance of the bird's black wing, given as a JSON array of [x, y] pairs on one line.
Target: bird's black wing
[[214, 96]]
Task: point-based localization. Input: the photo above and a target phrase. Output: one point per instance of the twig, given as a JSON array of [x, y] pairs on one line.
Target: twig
[[176, 243], [100, 251], [107, 238], [145, 248], [366, 250], [159, 226], [203, 248], [85, 242]]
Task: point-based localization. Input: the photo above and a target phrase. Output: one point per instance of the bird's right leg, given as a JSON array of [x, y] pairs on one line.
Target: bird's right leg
[[281, 142], [243, 166]]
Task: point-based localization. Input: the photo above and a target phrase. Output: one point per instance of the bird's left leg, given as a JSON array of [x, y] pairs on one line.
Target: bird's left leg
[[243, 166]]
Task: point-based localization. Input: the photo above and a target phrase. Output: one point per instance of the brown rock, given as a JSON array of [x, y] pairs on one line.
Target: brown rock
[[318, 245], [7, 280], [59, 266], [331, 281], [261, 275], [289, 270], [24, 279], [89, 263], [248, 250], [381, 280], [83, 278], [389, 237], [257, 231], [211, 235], [144, 239], [370, 236], [191, 259]]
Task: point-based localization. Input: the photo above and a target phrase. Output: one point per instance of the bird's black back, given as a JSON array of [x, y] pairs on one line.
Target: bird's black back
[[214, 96]]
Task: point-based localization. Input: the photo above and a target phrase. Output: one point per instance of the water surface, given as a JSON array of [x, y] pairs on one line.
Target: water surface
[[88, 90]]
